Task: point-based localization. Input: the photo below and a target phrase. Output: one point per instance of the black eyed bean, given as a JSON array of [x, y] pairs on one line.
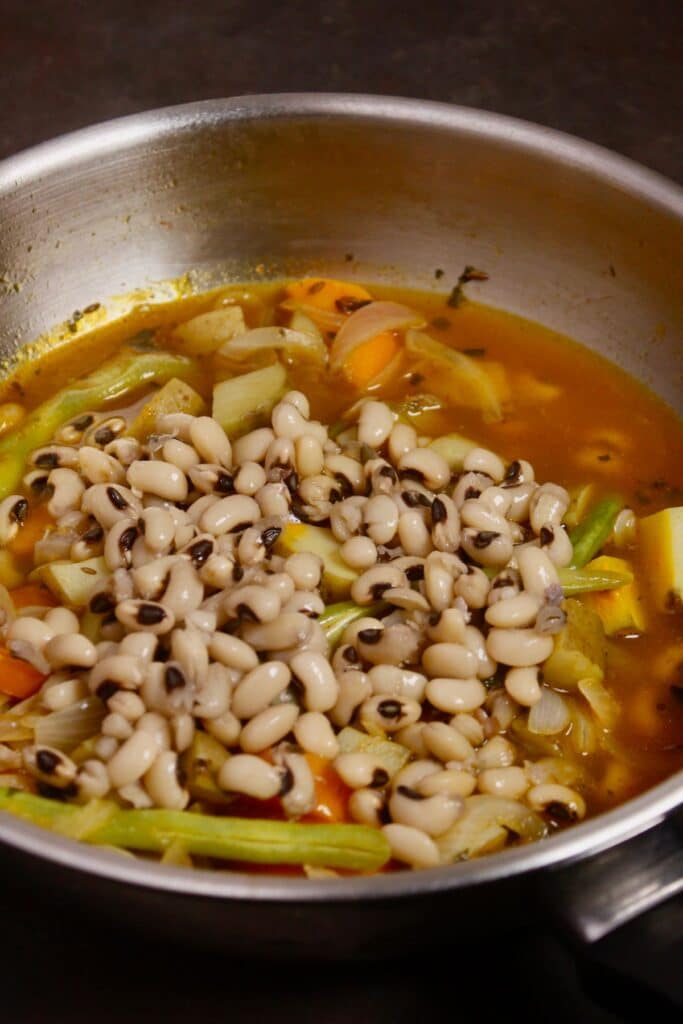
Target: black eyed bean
[[368, 807], [132, 759], [474, 587], [159, 478], [469, 487], [448, 626], [314, 734], [210, 441], [452, 660], [385, 713], [50, 765], [226, 728], [354, 688], [481, 460], [315, 674], [411, 846], [299, 797], [455, 695], [72, 650], [371, 584], [517, 612], [375, 423], [230, 514], [145, 615], [249, 478], [433, 815], [252, 776], [360, 770], [519, 648], [403, 439], [273, 499], [97, 467], [268, 727], [259, 688], [452, 782], [558, 800], [253, 603]]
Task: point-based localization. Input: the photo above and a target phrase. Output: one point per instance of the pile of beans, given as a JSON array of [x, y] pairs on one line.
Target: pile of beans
[[204, 626]]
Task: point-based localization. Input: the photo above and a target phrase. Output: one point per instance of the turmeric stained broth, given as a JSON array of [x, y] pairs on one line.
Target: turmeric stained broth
[[576, 418]]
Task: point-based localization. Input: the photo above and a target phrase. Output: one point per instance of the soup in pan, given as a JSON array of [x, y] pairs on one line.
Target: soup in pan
[[333, 579]]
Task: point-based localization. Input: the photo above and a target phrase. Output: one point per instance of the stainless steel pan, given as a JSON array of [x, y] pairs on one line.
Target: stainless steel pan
[[570, 235]]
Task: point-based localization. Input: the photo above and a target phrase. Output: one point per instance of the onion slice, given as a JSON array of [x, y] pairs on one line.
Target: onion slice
[[602, 703], [461, 377], [485, 826], [549, 715], [67, 728], [366, 323], [305, 347]]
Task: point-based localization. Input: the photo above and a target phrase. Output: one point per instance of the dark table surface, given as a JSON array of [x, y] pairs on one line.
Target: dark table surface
[[608, 72]]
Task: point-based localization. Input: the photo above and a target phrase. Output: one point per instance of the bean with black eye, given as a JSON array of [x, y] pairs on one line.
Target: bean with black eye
[[145, 615], [388, 714], [13, 514]]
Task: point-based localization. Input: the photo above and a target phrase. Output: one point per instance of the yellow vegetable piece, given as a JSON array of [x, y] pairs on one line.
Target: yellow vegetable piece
[[208, 331], [621, 609], [73, 582], [661, 542], [579, 651], [327, 294], [370, 358], [337, 576], [175, 396]]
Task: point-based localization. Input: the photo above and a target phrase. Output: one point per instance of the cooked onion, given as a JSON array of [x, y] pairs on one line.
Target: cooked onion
[[603, 705], [366, 323], [458, 374], [306, 347], [329, 321], [66, 729], [584, 732], [485, 826], [12, 730], [549, 715], [7, 610], [27, 652]]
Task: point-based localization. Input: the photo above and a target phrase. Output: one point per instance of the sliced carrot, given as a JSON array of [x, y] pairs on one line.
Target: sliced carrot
[[18, 678], [327, 294], [332, 795], [370, 358], [39, 519], [32, 594]]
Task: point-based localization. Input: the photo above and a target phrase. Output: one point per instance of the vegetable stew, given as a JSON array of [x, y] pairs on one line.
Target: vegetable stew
[[333, 576]]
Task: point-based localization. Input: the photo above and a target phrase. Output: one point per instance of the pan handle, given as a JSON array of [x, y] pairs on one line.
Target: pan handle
[[595, 897]]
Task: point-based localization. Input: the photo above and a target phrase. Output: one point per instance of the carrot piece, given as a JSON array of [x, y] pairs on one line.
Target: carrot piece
[[39, 519], [32, 594], [370, 358], [331, 793], [327, 294], [18, 678]]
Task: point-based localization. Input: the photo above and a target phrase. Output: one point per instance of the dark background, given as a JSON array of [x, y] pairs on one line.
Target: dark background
[[609, 72]]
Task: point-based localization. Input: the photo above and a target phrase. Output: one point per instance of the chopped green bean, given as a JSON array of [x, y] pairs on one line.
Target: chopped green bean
[[123, 373], [356, 847], [590, 535], [583, 581]]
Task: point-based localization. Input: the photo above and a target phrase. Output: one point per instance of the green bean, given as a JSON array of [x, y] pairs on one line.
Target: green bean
[[115, 378], [337, 617], [592, 532], [583, 581], [357, 847]]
